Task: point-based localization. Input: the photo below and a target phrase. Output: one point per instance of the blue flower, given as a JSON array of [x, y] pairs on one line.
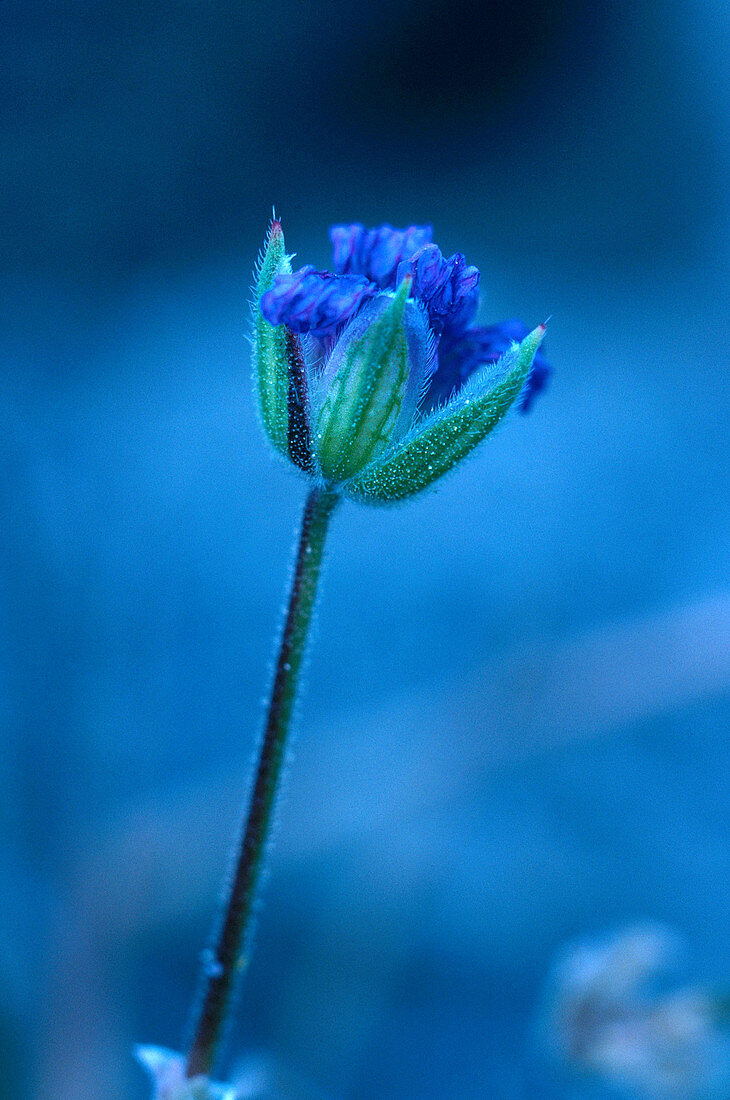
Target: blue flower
[[375, 362]]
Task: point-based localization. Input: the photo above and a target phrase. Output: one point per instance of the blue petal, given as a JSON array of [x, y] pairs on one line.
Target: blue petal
[[375, 253], [537, 381], [447, 287], [463, 350], [315, 301]]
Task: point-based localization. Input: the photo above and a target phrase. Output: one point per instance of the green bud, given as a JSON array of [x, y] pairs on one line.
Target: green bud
[[445, 437], [369, 370]]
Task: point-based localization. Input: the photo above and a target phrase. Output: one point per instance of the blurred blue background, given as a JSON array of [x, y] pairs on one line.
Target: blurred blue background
[[514, 728]]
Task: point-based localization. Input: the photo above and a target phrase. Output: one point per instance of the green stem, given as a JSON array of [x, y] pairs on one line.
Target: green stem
[[227, 960]]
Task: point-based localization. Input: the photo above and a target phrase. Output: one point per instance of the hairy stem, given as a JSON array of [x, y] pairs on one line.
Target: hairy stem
[[227, 960]]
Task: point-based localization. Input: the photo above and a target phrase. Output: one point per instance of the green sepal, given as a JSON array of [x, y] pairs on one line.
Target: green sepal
[[447, 436], [279, 371], [364, 397]]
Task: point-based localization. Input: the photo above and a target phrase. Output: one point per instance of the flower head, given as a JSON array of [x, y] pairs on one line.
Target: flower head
[[376, 377]]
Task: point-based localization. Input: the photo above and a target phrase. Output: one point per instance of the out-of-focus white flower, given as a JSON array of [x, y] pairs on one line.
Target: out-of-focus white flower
[[607, 1018], [167, 1070], [258, 1078]]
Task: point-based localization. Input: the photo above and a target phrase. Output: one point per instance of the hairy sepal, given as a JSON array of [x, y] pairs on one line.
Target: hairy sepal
[[448, 435], [279, 368]]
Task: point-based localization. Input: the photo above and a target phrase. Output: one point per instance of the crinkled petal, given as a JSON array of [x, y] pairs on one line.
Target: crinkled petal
[[448, 287], [315, 301], [375, 253]]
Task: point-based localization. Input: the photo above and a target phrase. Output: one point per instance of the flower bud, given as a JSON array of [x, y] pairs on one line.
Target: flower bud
[[376, 378], [366, 382]]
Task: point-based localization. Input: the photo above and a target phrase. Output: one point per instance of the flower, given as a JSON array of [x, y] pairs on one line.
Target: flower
[[167, 1070], [376, 378], [610, 1016]]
